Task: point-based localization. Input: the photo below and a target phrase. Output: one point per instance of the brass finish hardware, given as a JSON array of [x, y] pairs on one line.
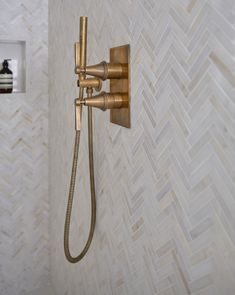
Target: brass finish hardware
[[83, 42], [121, 116], [117, 70], [81, 58], [105, 70], [80, 61], [90, 82], [117, 100], [77, 55], [105, 101], [78, 114]]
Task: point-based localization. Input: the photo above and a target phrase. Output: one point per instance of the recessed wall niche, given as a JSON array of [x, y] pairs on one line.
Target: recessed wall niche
[[15, 50]]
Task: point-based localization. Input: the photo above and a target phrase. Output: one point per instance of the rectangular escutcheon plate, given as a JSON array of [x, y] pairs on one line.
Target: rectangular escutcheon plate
[[121, 116]]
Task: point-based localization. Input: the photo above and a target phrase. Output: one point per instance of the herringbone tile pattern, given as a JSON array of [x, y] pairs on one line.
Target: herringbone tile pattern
[[23, 156], [166, 187]]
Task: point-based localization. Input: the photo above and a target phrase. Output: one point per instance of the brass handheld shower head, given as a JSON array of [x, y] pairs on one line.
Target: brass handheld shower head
[[80, 59], [117, 100]]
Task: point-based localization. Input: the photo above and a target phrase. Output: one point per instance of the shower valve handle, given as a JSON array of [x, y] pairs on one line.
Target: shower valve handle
[[102, 70]]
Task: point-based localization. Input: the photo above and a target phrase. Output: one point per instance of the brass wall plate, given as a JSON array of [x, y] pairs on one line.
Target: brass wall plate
[[121, 116]]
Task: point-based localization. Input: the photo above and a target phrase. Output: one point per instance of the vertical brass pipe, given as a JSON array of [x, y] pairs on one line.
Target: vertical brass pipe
[[82, 62], [83, 41]]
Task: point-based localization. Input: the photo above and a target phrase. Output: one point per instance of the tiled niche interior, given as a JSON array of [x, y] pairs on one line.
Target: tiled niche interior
[[15, 50]]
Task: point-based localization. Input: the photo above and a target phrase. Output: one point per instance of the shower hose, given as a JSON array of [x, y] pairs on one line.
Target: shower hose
[[68, 255]]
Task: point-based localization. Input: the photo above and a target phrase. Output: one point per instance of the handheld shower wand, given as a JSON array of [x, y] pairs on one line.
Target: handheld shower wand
[[118, 71], [80, 60]]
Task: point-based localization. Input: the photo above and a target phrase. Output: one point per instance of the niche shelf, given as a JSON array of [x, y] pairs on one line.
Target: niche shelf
[[16, 51]]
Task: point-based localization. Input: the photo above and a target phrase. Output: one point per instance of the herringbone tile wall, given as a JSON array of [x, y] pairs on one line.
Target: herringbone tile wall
[[166, 187], [23, 155]]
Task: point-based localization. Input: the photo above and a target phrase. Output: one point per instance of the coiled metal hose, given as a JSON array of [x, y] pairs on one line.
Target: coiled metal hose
[[71, 194]]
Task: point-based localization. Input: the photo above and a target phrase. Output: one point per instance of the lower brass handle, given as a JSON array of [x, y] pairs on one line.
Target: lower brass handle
[[106, 101]]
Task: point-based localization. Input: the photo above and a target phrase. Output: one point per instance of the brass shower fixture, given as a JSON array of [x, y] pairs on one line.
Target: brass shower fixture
[[102, 71], [117, 100], [105, 70], [117, 71], [105, 101]]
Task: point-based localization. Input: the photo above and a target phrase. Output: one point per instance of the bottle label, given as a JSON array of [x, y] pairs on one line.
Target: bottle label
[[6, 81]]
